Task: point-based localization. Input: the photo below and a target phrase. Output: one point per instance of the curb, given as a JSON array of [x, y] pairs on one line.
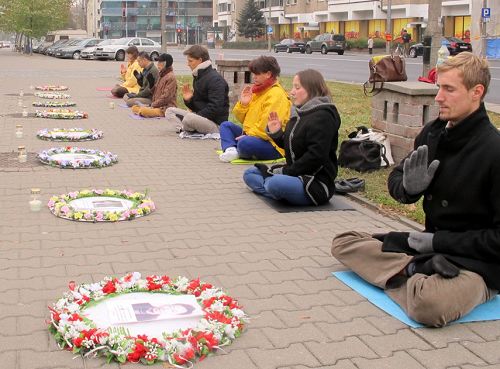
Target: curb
[[372, 206]]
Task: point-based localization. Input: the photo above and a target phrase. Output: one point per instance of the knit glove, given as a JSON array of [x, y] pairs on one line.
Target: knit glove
[[416, 175], [151, 80], [131, 95], [138, 76], [421, 242], [264, 170], [276, 169]]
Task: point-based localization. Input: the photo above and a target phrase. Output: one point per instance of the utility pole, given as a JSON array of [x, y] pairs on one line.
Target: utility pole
[[269, 26], [434, 30], [163, 30], [388, 27], [483, 33]]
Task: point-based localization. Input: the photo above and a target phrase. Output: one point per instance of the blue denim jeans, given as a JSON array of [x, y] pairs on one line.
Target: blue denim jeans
[[277, 187], [249, 147]]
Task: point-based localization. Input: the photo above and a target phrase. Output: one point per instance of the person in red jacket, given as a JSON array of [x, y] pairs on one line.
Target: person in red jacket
[[164, 91]]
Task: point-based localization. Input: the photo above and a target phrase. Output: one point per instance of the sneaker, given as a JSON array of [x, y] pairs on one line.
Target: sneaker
[[229, 155]]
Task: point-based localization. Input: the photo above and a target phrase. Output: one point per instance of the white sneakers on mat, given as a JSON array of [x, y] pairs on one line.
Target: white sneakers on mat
[[229, 155]]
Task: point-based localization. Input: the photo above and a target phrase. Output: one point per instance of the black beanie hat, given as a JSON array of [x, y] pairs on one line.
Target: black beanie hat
[[167, 59]]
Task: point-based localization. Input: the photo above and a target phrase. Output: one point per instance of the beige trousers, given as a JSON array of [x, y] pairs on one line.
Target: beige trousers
[[191, 122], [430, 300]]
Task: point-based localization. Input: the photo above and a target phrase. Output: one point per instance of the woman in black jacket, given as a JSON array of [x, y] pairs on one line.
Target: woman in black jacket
[[310, 141]]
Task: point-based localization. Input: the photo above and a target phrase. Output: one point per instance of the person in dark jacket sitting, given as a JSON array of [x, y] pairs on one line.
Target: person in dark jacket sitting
[[310, 141], [441, 274], [146, 79], [208, 100]]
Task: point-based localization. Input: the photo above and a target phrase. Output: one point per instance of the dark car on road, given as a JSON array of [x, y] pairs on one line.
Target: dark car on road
[[289, 45], [454, 45], [327, 42]]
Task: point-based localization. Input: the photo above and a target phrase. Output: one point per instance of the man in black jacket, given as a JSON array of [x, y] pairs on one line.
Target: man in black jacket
[[208, 101], [146, 80], [441, 274]]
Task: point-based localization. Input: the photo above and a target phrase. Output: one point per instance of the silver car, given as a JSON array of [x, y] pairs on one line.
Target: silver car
[[117, 49], [74, 51], [89, 52]]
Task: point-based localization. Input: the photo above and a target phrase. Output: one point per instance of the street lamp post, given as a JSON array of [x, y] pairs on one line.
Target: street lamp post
[[269, 26]]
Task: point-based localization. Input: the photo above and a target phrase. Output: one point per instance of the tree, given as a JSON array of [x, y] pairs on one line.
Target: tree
[[433, 29], [251, 22]]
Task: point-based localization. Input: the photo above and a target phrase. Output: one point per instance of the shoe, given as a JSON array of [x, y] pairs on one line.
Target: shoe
[[178, 129], [229, 155], [343, 186]]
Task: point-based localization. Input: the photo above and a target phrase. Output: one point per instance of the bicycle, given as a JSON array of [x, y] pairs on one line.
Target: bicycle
[[399, 50]]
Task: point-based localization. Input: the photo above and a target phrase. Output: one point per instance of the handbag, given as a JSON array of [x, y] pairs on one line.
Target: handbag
[[362, 155], [384, 68]]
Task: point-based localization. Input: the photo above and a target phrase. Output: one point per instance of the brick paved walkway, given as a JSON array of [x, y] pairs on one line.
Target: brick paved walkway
[[208, 225]]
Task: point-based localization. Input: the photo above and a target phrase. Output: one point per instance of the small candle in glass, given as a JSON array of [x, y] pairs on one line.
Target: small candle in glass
[[19, 131], [25, 113], [21, 93], [111, 104], [22, 155], [35, 203]]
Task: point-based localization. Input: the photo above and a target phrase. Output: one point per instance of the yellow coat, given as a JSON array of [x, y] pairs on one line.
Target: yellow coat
[[255, 115], [130, 82]]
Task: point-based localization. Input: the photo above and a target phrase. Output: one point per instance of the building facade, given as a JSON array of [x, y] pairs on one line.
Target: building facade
[[357, 19], [187, 21]]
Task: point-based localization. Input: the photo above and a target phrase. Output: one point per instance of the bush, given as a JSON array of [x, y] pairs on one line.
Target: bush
[[247, 45]]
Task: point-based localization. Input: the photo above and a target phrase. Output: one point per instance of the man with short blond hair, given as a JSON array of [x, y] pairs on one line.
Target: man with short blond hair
[[441, 274]]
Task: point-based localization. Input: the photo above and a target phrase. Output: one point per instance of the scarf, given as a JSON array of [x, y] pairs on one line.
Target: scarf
[[203, 65], [267, 83]]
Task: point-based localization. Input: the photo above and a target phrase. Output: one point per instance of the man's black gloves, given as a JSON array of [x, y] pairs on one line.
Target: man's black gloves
[[151, 80], [264, 170], [131, 95], [435, 265], [138, 76]]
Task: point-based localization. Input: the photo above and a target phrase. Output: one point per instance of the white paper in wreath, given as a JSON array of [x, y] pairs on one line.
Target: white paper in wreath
[[69, 134], [68, 156], [147, 313], [101, 203]]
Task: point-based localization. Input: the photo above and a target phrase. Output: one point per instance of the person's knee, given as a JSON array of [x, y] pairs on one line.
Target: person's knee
[[345, 239], [136, 109], [431, 312], [245, 147]]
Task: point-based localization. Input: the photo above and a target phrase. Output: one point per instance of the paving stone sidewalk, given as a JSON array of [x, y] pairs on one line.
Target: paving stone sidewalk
[[207, 225]]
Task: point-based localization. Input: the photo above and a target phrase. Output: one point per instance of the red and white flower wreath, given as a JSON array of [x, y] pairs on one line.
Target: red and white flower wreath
[[223, 322]]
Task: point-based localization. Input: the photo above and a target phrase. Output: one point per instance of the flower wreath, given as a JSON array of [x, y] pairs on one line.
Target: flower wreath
[[51, 88], [223, 322], [64, 134], [60, 206], [61, 114], [54, 104], [52, 95], [105, 159]]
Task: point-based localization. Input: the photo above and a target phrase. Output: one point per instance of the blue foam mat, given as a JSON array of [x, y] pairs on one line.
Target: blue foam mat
[[488, 311]]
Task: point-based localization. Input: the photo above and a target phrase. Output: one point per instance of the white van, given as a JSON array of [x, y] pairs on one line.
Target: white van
[[63, 34]]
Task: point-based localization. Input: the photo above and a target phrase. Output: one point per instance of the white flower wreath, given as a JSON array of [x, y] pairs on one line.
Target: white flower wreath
[[88, 158], [51, 88], [69, 134], [61, 207], [223, 322], [52, 95], [61, 114], [54, 104]]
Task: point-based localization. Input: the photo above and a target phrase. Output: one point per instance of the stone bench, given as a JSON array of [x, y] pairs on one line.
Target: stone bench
[[236, 74], [400, 110]]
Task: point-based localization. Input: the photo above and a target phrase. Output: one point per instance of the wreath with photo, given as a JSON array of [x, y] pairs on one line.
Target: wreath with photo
[[61, 114], [51, 88], [52, 95], [77, 158], [53, 104], [137, 204], [222, 323], [69, 134]]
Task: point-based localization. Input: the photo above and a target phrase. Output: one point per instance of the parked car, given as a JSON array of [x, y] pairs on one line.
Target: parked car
[[327, 42], [49, 50], [454, 45], [289, 45], [89, 52], [74, 50], [117, 49], [5, 44]]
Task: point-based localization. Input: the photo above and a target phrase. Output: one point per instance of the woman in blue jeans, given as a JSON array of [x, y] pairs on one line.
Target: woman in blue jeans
[[252, 110], [310, 142]]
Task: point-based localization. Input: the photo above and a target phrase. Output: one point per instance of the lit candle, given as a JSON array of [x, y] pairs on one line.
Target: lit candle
[[22, 156], [112, 105], [19, 131], [35, 203], [21, 93], [25, 113]]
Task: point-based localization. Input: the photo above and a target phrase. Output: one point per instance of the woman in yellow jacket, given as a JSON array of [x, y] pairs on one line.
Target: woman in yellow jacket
[[127, 74], [256, 102]]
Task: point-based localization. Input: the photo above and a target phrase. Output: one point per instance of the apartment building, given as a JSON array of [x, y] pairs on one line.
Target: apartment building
[[354, 18], [186, 20]]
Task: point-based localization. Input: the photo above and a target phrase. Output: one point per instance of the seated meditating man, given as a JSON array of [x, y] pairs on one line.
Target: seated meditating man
[[441, 274], [164, 90], [266, 95], [146, 79]]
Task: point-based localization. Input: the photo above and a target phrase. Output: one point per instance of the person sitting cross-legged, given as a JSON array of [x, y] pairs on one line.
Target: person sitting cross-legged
[[266, 95], [146, 79], [442, 273], [208, 101], [127, 74], [164, 91], [310, 140]]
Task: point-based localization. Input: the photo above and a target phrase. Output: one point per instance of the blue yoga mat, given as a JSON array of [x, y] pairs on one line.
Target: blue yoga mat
[[488, 311]]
